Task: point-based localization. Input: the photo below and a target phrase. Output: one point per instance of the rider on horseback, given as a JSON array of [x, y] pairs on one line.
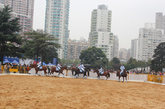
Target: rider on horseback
[[39, 65], [58, 67], [81, 67], [122, 68], [101, 71]]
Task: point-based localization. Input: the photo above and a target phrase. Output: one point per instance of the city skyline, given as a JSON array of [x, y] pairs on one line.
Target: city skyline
[[127, 17]]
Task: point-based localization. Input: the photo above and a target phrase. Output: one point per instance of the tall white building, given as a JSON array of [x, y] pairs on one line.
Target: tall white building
[[123, 55], [134, 48], [160, 21], [75, 47], [100, 34], [56, 23], [149, 39], [23, 9], [116, 47]]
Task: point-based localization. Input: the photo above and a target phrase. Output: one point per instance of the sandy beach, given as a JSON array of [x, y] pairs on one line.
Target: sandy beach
[[36, 92]]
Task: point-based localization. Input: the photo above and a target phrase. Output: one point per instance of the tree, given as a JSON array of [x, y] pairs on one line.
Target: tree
[[40, 45], [131, 64], [10, 40], [158, 62], [115, 63], [94, 56]]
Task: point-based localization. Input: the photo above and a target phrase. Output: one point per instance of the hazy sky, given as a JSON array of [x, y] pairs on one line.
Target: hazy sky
[[127, 17]]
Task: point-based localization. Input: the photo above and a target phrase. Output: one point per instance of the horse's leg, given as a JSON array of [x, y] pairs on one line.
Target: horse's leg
[[126, 79], [88, 73], [106, 77], [36, 71], [123, 78], [119, 78], [72, 72], [45, 72]]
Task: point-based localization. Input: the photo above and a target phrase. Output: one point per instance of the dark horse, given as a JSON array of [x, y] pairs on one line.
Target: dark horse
[[106, 73], [124, 74], [53, 69], [76, 71], [44, 68]]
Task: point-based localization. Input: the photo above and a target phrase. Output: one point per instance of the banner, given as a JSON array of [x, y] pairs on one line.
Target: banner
[[55, 61]]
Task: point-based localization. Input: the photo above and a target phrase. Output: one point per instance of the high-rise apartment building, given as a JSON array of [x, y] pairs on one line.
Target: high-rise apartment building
[[149, 39], [160, 21], [23, 9], [134, 48], [100, 34], [123, 55], [56, 23], [116, 47], [75, 47]]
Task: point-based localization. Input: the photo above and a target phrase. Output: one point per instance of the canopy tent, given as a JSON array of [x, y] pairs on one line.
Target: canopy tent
[[15, 62], [50, 64], [6, 61], [44, 64]]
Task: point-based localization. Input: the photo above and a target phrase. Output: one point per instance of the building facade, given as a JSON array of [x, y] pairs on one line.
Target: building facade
[[75, 47], [56, 23], [123, 55], [160, 21], [116, 47], [134, 48], [149, 39], [23, 9], [100, 34]]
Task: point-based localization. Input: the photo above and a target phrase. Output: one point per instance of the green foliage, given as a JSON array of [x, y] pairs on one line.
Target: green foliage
[[158, 61], [114, 64], [94, 56], [40, 45], [10, 40], [133, 63]]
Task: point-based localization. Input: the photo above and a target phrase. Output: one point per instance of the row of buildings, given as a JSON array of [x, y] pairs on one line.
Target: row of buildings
[[56, 24], [150, 36]]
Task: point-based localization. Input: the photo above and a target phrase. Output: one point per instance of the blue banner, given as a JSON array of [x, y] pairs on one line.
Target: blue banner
[[55, 61]]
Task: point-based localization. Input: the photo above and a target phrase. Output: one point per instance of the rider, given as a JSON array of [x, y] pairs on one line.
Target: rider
[[122, 68], [81, 67], [101, 71], [39, 65], [58, 67]]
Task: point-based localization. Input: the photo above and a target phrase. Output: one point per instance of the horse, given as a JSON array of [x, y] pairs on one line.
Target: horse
[[106, 73], [53, 69], [77, 71], [44, 68], [124, 74]]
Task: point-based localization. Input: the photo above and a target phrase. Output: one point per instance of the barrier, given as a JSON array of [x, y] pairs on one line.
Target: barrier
[[155, 78]]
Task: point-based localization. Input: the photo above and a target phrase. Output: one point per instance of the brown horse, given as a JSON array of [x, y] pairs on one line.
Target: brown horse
[[106, 73], [44, 68], [53, 69], [124, 74]]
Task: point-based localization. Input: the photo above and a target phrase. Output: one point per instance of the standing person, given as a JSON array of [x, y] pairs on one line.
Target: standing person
[[122, 68]]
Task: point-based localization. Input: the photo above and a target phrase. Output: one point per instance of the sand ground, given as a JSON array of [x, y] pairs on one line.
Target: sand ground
[[36, 92]]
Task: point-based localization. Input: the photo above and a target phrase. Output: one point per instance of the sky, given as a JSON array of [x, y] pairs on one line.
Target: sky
[[127, 17]]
